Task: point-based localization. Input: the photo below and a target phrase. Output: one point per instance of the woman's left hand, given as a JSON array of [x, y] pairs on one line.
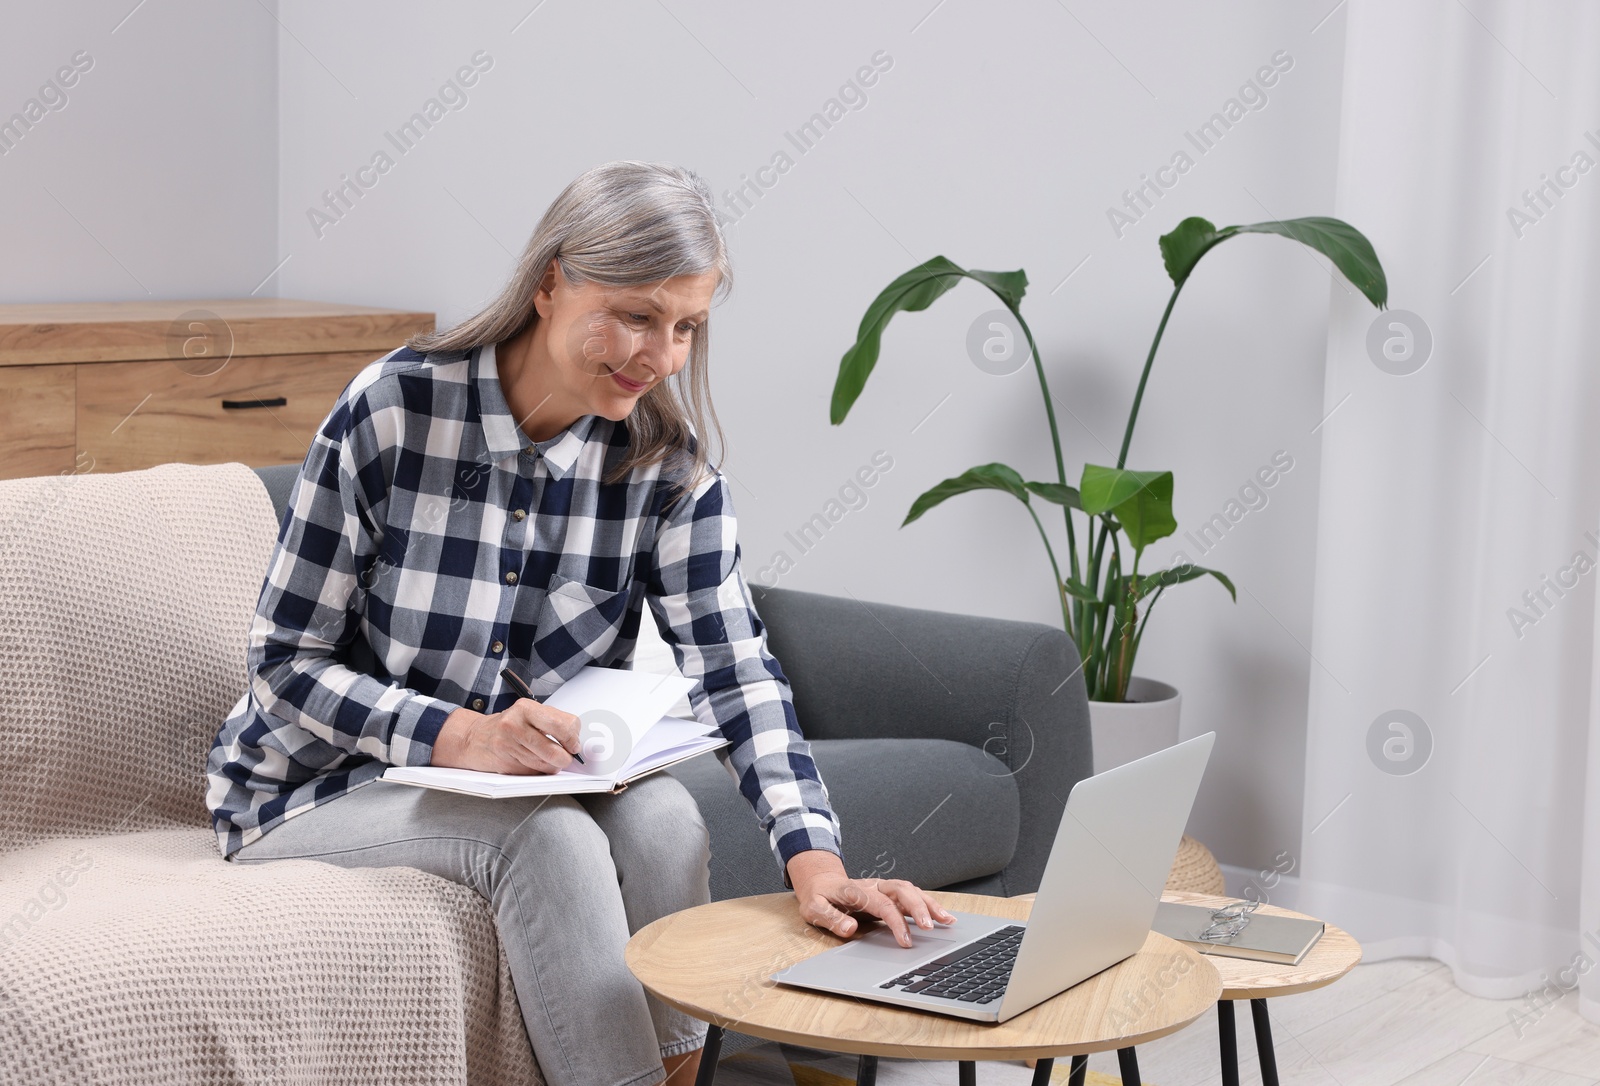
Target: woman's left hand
[[828, 896]]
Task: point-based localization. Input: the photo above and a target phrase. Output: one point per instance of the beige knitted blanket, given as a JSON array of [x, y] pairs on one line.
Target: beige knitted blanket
[[130, 951]]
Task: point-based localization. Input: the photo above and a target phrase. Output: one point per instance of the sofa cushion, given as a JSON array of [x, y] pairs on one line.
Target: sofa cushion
[[125, 604], [147, 958], [933, 811]]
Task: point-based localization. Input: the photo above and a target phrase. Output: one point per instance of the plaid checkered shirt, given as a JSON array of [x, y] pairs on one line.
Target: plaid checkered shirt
[[427, 544]]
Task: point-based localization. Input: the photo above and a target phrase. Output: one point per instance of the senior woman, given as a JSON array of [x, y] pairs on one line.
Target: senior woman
[[512, 492]]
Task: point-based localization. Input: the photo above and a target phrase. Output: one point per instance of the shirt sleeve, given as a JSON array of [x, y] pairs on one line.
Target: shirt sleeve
[[697, 591], [313, 597]]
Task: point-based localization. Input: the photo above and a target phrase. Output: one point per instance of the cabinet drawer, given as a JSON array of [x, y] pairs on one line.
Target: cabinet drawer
[[36, 420], [258, 410]]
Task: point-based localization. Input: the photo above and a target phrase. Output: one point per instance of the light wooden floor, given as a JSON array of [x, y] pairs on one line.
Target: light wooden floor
[[1385, 1024]]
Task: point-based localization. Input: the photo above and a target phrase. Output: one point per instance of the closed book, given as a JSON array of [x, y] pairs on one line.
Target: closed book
[[1282, 940]]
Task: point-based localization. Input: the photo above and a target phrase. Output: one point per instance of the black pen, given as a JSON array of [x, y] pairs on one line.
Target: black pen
[[522, 688]]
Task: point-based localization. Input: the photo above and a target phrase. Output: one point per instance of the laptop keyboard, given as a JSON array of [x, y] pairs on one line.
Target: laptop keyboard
[[975, 973]]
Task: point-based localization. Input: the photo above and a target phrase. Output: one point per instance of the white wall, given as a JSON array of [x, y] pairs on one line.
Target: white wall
[[999, 138], [157, 176]]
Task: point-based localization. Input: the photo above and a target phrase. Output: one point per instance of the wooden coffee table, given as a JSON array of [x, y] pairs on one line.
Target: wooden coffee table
[[1335, 954], [714, 962]]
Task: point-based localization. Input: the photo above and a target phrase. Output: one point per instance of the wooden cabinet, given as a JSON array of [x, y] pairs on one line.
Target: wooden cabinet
[[37, 427], [127, 385]]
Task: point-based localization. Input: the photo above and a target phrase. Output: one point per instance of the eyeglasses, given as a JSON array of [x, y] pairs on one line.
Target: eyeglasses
[[1228, 922]]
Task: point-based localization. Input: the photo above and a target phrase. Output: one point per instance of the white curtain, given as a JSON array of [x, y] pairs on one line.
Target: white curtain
[[1453, 770]]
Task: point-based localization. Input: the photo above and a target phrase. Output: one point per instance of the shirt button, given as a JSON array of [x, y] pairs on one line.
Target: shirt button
[[519, 514], [511, 576], [496, 647], [477, 703]]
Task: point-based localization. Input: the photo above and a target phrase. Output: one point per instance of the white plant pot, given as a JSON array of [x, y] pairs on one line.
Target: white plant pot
[[1145, 723]]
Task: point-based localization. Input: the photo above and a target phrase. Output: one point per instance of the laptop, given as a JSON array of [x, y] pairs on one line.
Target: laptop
[[1113, 851]]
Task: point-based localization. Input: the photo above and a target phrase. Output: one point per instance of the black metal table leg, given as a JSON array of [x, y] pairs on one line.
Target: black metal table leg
[[708, 1056], [867, 1071], [1128, 1061], [1264, 1051], [1041, 1072], [967, 1073], [1080, 1071], [1229, 1039]]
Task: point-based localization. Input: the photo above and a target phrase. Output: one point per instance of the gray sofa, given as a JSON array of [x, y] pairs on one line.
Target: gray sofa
[[130, 952], [948, 743]]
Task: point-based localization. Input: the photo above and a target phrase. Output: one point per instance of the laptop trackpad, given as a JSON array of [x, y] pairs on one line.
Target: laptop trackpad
[[878, 945]]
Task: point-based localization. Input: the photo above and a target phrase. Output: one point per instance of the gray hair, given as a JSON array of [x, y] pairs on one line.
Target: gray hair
[[623, 223]]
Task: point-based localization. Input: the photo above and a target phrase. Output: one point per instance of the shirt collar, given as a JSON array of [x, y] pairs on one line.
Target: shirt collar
[[503, 437]]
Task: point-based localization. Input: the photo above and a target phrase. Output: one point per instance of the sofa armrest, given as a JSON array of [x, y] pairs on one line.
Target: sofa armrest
[[877, 671], [279, 480]]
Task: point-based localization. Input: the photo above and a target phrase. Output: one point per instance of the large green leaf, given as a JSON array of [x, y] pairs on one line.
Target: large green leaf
[[1140, 500], [1172, 575], [982, 477], [1009, 286], [915, 290], [1056, 492], [1341, 243], [1182, 249], [1335, 239]]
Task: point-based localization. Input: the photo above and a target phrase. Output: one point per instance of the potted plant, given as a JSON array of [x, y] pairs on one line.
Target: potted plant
[[1105, 596]]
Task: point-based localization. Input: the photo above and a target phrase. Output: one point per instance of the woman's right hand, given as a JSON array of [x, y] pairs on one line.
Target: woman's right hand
[[513, 741]]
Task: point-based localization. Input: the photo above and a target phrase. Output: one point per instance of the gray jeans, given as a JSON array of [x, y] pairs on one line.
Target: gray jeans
[[569, 878]]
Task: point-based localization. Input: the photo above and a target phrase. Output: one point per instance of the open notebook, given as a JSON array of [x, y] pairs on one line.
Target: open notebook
[[623, 737]]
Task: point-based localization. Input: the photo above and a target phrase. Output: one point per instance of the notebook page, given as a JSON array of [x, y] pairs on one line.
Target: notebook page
[[637, 698], [669, 732]]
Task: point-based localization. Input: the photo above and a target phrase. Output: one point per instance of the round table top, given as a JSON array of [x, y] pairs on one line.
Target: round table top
[[714, 962], [1335, 954]]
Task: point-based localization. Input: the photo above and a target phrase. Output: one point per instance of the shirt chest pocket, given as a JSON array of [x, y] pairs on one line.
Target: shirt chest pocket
[[577, 623]]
